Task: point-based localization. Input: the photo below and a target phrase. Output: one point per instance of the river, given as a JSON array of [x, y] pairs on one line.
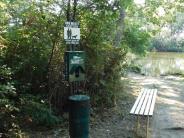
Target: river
[[160, 63]]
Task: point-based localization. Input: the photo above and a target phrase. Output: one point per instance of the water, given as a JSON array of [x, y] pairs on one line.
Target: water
[[161, 63]]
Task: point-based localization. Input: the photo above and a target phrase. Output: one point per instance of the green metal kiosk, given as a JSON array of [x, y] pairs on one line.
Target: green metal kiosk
[[79, 116]]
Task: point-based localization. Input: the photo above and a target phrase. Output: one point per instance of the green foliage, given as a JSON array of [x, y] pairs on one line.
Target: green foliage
[[171, 38], [8, 94], [29, 34], [136, 39], [167, 45], [101, 27], [37, 112], [34, 48], [105, 74], [31, 37], [12, 107], [134, 68]]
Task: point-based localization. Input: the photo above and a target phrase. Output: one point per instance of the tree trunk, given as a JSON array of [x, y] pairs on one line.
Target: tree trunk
[[120, 28]]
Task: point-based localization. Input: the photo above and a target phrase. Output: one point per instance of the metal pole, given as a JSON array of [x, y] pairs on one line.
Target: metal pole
[[74, 9], [137, 127], [68, 12]]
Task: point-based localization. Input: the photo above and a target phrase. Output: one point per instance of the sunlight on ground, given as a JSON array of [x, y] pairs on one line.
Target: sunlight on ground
[[171, 102], [170, 93], [166, 87], [174, 78], [169, 106], [152, 81], [123, 78]]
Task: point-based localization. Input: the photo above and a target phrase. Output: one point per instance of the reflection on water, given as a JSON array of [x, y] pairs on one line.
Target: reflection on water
[[161, 63]]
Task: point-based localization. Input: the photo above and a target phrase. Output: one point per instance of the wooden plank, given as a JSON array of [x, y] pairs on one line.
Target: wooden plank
[[145, 102], [153, 103], [136, 102], [140, 102], [146, 112]]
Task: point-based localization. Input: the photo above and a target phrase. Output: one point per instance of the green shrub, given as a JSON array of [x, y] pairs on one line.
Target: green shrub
[[38, 111], [8, 95], [16, 107], [104, 75], [134, 68]]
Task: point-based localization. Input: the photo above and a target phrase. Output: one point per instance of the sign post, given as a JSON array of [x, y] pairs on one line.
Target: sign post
[[75, 75], [72, 33]]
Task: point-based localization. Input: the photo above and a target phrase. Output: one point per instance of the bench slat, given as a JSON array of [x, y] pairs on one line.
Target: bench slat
[[145, 102], [153, 103], [149, 102], [136, 102], [141, 102]]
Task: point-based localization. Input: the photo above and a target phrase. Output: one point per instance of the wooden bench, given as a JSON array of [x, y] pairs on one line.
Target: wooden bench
[[144, 106]]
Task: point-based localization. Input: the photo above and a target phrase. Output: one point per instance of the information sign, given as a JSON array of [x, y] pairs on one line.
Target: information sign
[[72, 32], [75, 69]]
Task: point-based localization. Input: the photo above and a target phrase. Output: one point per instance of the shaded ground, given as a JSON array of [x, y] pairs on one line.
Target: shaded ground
[[119, 123], [107, 123], [116, 122], [167, 121]]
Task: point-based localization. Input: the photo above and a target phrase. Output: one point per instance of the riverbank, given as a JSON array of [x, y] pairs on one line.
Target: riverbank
[[157, 63]]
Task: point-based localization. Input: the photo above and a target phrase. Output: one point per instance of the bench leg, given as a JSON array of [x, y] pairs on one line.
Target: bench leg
[[137, 127], [147, 127]]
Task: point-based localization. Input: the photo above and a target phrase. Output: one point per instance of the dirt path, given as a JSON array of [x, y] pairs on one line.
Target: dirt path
[[168, 119], [116, 122]]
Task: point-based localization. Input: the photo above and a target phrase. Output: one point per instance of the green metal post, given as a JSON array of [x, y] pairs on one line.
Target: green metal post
[[79, 116]]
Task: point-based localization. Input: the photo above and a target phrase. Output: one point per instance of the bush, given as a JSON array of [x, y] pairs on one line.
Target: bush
[[16, 109], [104, 75], [134, 68], [36, 112], [8, 95]]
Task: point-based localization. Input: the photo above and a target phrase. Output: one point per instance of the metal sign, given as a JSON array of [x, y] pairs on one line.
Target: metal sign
[[72, 32], [75, 68]]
